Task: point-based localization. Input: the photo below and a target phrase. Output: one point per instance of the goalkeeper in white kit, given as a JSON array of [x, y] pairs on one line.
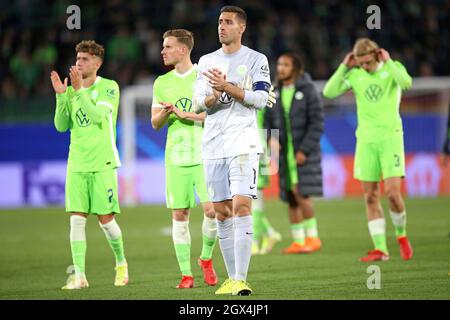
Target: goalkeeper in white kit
[[233, 83]]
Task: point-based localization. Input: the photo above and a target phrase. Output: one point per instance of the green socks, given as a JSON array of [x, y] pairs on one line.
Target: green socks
[[78, 243], [258, 225], [311, 227], [266, 226], [117, 248], [377, 230], [183, 252], [399, 222], [182, 242], [114, 236], [298, 232], [209, 236], [78, 256], [207, 247]]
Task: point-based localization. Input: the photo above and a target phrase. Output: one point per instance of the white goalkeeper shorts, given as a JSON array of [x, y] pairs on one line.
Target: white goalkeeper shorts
[[232, 176]]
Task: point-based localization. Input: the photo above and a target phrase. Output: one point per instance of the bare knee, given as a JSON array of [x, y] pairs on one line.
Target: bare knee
[[208, 210], [242, 210], [242, 206], [223, 210], [305, 203], [210, 214], [395, 198], [372, 197], [180, 214], [295, 214], [106, 218]]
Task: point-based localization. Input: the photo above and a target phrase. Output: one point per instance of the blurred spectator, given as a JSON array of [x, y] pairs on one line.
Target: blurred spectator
[[124, 47], [34, 38], [25, 70]]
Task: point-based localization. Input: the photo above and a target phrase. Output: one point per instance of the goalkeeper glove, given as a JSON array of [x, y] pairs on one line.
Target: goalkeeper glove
[[272, 98]]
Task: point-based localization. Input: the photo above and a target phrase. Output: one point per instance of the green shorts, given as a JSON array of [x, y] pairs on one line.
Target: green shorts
[[291, 174], [92, 192], [180, 185], [379, 160], [264, 169]]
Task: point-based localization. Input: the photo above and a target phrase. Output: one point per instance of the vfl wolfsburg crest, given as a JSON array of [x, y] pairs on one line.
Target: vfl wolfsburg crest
[[242, 69], [225, 98], [111, 93], [373, 93], [82, 119], [184, 104]]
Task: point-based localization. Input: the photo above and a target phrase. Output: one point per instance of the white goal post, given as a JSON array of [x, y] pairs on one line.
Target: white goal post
[[129, 96]]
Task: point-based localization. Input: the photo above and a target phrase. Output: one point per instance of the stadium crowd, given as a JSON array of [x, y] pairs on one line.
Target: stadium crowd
[[34, 37]]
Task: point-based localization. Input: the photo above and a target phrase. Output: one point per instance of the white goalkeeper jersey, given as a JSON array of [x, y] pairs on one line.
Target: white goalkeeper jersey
[[230, 127]]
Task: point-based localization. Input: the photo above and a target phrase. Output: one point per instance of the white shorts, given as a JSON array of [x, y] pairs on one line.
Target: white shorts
[[232, 176]]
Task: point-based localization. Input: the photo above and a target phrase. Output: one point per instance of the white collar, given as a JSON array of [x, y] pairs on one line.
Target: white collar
[[379, 66], [187, 73]]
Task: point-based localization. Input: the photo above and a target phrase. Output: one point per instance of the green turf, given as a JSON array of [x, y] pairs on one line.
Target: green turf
[[35, 253]]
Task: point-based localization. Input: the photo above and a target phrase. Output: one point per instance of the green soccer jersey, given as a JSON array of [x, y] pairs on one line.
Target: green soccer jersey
[[264, 160], [184, 137], [378, 97], [90, 114], [287, 94]]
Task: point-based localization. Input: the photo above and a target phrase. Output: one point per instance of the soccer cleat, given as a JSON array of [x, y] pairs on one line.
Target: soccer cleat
[[226, 287], [209, 274], [121, 275], [241, 288], [75, 283], [375, 255], [406, 250], [268, 241], [314, 243], [295, 247], [186, 282]]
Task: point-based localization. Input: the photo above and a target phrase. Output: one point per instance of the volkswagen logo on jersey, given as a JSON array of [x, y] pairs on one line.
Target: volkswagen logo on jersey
[[373, 93], [225, 98], [184, 104], [82, 119]]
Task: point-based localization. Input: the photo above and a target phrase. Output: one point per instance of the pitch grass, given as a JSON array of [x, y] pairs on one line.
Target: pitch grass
[[35, 252]]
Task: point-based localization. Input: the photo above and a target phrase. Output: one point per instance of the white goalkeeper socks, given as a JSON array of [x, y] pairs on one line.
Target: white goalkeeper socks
[[225, 234], [243, 245]]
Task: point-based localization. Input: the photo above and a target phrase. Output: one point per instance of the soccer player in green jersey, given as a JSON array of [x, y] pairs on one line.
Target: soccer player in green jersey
[[377, 82], [172, 102], [88, 108], [264, 235]]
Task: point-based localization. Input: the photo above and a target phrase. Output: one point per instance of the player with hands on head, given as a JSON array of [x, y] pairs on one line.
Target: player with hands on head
[[377, 82]]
